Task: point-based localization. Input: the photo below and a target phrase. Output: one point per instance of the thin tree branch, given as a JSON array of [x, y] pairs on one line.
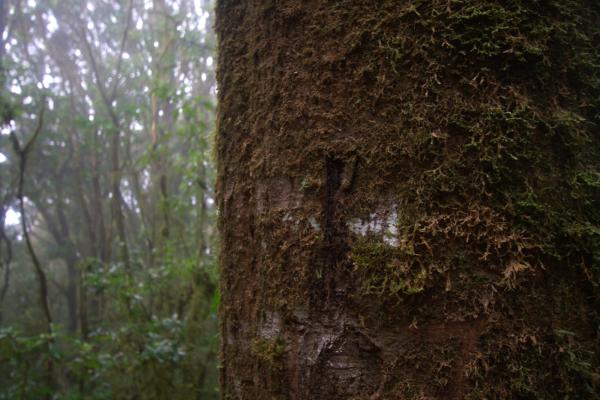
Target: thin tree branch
[[113, 91]]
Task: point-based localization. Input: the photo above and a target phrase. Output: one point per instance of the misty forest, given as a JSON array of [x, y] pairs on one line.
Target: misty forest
[[109, 286], [300, 199]]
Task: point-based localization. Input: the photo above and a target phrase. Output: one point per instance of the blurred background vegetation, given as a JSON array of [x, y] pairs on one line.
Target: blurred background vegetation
[[108, 286]]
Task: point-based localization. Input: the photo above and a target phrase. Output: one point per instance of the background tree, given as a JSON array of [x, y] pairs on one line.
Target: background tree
[[408, 197]]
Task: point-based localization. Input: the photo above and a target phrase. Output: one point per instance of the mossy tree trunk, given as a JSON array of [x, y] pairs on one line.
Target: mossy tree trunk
[[409, 199]]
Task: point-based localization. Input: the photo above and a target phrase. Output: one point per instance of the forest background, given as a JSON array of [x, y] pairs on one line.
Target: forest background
[[107, 270]]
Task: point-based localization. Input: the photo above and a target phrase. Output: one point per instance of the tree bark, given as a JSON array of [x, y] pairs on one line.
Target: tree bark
[[408, 197]]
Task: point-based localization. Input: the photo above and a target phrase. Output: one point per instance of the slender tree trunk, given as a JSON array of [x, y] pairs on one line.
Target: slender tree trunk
[[5, 260], [103, 252], [82, 312], [118, 216], [70, 258], [162, 114], [109, 96], [72, 295], [2, 27], [408, 197], [24, 152]]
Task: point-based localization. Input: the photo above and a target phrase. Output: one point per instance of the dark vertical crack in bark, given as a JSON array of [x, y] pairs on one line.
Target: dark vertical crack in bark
[[331, 250], [335, 247]]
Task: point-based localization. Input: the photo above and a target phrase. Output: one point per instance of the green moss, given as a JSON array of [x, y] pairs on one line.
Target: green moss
[[385, 270], [269, 351], [523, 355], [577, 371], [589, 179], [528, 206]]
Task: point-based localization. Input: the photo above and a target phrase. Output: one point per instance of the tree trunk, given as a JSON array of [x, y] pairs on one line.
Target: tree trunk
[[71, 295], [409, 199]]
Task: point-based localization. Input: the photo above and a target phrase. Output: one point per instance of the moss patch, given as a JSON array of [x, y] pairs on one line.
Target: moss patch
[[269, 351]]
